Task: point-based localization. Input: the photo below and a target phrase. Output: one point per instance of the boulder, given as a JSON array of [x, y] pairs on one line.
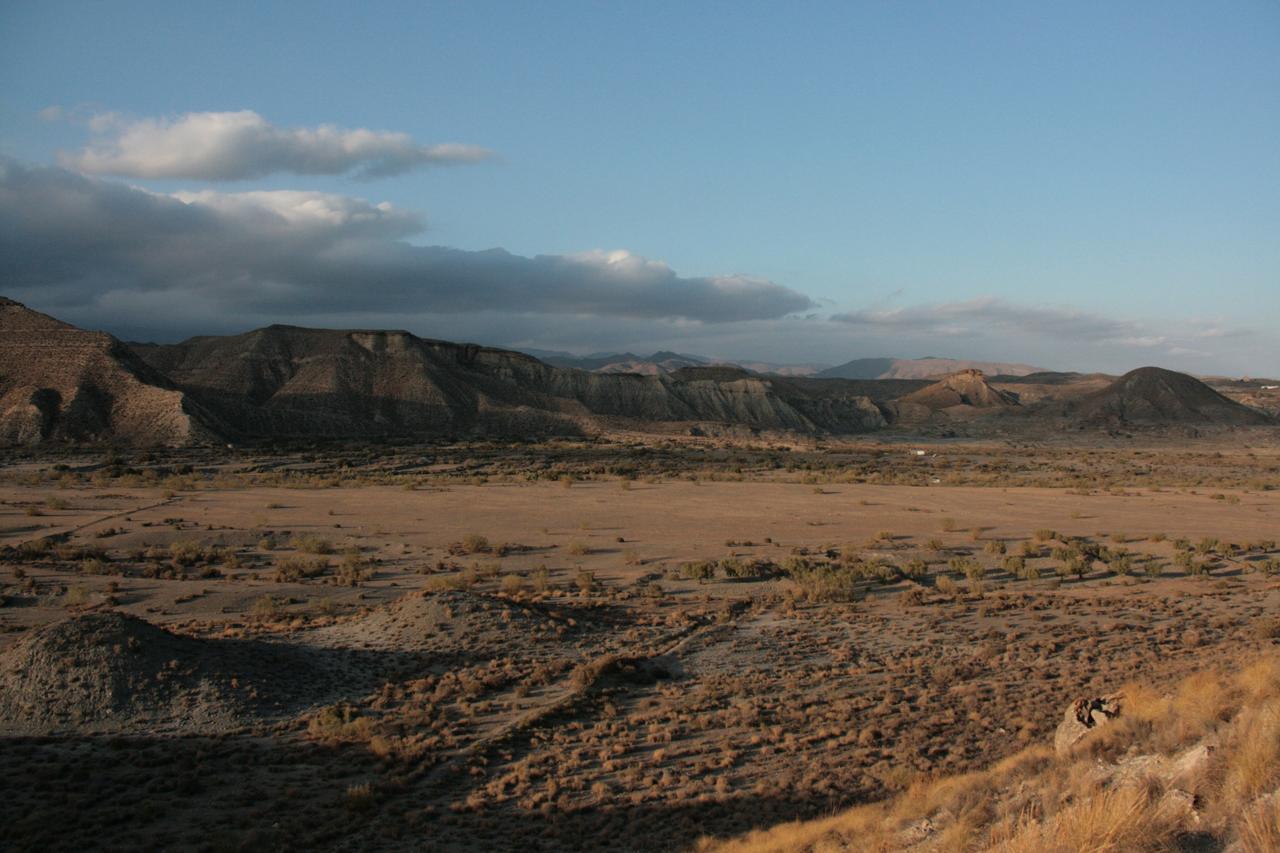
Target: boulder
[[1081, 717]]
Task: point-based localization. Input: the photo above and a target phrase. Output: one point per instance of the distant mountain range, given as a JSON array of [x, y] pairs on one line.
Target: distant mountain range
[[860, 368], [62, 384], [921, 368], [663, 361]]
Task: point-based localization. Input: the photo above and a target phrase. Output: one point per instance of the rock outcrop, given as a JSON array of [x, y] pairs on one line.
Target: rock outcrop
[[965, 388], [1081, 717], [60, 383]]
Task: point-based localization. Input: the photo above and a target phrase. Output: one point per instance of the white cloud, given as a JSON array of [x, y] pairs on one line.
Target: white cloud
[[223, 146]]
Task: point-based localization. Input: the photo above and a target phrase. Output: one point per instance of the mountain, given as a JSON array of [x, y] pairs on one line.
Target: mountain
[[661, 362], [60, 383], [290, 382], [1152, 395], [963, 388], [920, 368]]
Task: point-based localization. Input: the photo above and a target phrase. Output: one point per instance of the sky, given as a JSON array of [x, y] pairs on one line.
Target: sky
[[1084, 186]]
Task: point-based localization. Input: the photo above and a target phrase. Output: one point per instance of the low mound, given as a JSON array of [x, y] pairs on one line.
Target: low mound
[[450, 622], [966, 388], [113, 672], [1152, 395]]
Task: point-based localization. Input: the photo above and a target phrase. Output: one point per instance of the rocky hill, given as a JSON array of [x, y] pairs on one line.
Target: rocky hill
[[60, 383], [964, 388], [1152, 395], [283, 382]]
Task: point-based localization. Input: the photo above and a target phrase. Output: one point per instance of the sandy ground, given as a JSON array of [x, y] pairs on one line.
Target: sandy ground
[[575, 689]]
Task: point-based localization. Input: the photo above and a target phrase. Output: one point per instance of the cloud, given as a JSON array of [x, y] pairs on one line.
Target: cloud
[[988, 314], [73, 242], [227, 146]]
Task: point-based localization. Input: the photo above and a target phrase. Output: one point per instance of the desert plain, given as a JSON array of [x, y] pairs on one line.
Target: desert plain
[[633, 642]]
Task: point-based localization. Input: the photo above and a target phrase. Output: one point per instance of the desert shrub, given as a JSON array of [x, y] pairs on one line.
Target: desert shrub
[[311, 545], [187, 552], [579, 549], [1016, 566], [353, 570], [586, 581], [94, 566], [885, 572], [916, 568], [1046, 534], [996, 546], [76, 596], [936, 545], [967, 566], [341, 722], [946, 585], [474, 543], [294, 568], [913, 597], [541, 579], [1078, 566], [1267, 628], [1208, 545], [266, 608], [513, 583], [699, 570], [827, 583]]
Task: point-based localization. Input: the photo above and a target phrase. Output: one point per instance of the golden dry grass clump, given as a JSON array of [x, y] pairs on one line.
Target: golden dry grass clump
[[1199, 764]]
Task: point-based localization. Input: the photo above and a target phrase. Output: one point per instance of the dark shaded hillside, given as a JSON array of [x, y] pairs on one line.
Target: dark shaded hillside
[[284, 381], [1152, 395]]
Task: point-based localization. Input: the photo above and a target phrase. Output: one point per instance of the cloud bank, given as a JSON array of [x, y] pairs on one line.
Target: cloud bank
[[75, 241], [228, 146], [988, 314]]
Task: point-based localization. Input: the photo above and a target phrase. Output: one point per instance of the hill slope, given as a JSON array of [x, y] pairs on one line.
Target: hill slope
[[60, 383], [1152, 395], [1192, 769], [965, 388]]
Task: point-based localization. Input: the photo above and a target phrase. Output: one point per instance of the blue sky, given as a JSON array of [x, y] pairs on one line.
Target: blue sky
[[1084, 185]]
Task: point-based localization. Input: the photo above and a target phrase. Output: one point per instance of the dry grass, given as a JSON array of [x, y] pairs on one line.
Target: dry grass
[[1202, 759]]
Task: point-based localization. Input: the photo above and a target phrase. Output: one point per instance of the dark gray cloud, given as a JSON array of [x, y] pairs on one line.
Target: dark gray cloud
[[224, 146], [70, 242]]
